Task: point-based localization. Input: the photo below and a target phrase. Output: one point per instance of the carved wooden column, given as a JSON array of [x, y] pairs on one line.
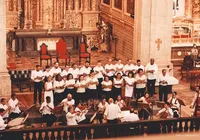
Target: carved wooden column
[[38, 10], [93, 5], [86, 5], [61, 9], [58, 10], [70, 4], [188, 8], [41, 10], [5, 88], [14, 5], [7, 5], [30, 14], [76, 6], [25, 13]]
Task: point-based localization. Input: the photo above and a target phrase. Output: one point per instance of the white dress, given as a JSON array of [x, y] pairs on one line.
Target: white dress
[[49, 93], [129, 89]]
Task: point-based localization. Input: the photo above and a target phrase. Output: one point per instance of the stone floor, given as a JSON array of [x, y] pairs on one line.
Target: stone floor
[[26, 62]]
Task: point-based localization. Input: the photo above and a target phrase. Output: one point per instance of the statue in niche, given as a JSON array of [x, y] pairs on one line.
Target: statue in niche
[[118, 4], [196, 7]]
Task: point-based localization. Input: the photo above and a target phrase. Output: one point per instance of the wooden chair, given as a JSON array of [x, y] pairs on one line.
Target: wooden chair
[[44, 55], [61, 51], [83, 53], [186, 66]]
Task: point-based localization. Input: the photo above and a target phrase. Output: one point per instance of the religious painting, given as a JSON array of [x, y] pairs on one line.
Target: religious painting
[[130, 6], [106, 2], [118, 4]]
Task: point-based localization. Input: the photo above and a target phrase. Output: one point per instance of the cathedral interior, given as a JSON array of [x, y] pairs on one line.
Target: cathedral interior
[[117, 29]]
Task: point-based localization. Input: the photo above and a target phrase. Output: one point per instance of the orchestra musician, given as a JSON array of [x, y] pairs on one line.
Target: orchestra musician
[[120, 102], [195, 103], [101, 109], [67, 102], [81, 111], [165, 112], [6, 109], [37, 76], [174, 104], [47, 112], [3, 125], [14, 106], [144, 113], [71, 116]]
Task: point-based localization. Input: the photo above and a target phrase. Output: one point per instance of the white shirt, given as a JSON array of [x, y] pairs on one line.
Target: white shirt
[[44, 109], [128, 68], [111, 69], [161, 77], [139, 67], [151, 76], [119, 66], [58, 84], [12, 103], [67, 103], [109, 83], [74, 72], [80, 83], [64, 73], [112, 111], [118, 82], [120, 103], [132, 117], [2, 124], [85, 70], [170, 112], [100, 71], [92, 86], [129, 81], [71, 119], [101, 106], [47, 73], [5, 107], [138, 78], [174, 101], [35, 74], [143, 100], [55, 70], [80, 117], [70, 82]]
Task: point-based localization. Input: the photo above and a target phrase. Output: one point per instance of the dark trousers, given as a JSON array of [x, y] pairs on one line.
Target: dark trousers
[[163, 93], [112, 131], [49, 119], [106, 94], [92, 94], [116, 92], [81, 97], [139, 92], [38, 90], [99, 88], [13, 115], [151, 86], [58, 97]]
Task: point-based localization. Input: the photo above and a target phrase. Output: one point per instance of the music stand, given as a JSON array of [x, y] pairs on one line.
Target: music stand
[[57, 111], [181, 102], [145, 106]]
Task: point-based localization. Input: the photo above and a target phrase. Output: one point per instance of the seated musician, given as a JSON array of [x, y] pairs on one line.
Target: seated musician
[[14, 104], [145, 112], [102, 107], [2, 122], [47, 112], [80, 114], [67, 102], [112, 111], [132, 117], [174, 104], [71, 116], [195, 97], [6, 108], [165, 112], [120, 102]]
